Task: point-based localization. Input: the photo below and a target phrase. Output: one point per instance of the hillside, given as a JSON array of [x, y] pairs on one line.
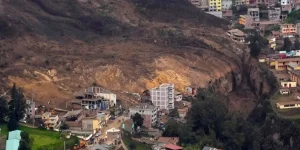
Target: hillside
[[55, 47]]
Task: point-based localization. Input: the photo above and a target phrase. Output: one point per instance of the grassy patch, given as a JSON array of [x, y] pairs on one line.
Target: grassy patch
[[43, 139], [134, 145]]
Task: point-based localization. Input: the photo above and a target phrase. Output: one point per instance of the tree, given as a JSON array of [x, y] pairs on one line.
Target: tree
[[138, 120], [297, 44], [3, 109], [254, 49], [174, 113], [64, 126], [17, 107], [287, 44], [172, 129], [25, 142]]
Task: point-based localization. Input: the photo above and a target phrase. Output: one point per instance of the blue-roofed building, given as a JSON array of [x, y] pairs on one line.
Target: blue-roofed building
[[13, 141]]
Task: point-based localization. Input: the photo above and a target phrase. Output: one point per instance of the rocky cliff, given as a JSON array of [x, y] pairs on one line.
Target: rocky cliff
[[55, 47]]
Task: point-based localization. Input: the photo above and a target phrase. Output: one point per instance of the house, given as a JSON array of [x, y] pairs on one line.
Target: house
[[237, 35], [295, 76], [282, 76], [190, 90], [74, 115], [178, 96], [293, 66], [281, 64], [226, 5], [13, 140], [172, 147], [288, 84], [284, 91], [272, 42], [274, 14], [288, 29], [168, 140], [52, 121], [90, 124], [254, 13], [148, 112], [30, 110], [46, 115], [286, 6], [163, 96], [215, 5], [288, 104], [96, 98], [247, 21], [241, 2]]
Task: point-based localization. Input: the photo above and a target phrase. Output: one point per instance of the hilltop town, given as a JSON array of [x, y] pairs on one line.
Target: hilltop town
[[223, 90]]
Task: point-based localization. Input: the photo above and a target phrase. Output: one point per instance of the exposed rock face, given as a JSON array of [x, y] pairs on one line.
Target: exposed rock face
[[55, 47]]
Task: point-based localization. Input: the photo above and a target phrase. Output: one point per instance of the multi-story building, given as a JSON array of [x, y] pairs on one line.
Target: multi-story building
[[148, 112], [52, 121], [226, 4], [298, 28], [246, 20], [241, 2], [254, 13], [274, 14], [215, 5], [30, 110], [288, 29], [163, 96]]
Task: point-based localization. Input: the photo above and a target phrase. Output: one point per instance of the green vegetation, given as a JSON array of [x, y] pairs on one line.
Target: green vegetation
[[256, 43], [3, 109], [134, 145], [43, 139], [297, 44], [210, 124], [26, 142], [287, 44], [138, 120], [293, 17]]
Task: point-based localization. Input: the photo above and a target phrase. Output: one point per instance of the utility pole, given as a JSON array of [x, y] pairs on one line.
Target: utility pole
[[32, 108], [64, 145]]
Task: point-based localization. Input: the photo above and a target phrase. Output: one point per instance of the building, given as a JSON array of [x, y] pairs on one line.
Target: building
[[246, 20], [202, 4], [96, 98], [272, 42], [274, 14], [236, 35], [288, 29], [163, 96], [149, 113], [254, 13], [13, 140], [241, 2], [113, 133], [46, 115], [90, 124], [295, 76], [74, 115], [293, 66], [172, 147], [298, 28], [288, 84], [284, 91], [281, 64], [288, 104], [215, 5], [52, 121], [178, 96], [30, 110], [226, 4]]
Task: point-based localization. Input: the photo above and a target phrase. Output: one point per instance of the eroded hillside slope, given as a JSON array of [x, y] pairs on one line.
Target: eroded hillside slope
[[55, 47]]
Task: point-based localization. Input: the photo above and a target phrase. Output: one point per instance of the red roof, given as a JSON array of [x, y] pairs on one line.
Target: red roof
[[173, 147]]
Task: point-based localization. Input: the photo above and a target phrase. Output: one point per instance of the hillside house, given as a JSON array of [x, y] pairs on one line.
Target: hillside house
[[52, 121], [148, 112], [163, 96], [288, 29], [293, 66], [90, 124], [254, 13], [284, 91], [46, 115], [288, 84], [274, 14], [236, 35], [74, 115], [295, 76], [281, 64], [288, 104], [30, 110], [247, 21]]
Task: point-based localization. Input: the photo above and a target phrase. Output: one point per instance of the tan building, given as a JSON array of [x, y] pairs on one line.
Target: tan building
[[288, 29], [288, 84], [295, 76], [293, 66], [281, 64], [52, 121], [236, 35], [288, 104]]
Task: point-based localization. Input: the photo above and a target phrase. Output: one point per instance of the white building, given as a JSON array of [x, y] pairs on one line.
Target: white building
[[52, 121], [30, 110], [226, 4], [105, 94], [285, 2], [163, 96], [148, 112]]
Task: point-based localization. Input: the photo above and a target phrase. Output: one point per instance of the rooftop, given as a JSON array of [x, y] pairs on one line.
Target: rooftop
[[287, 59], [236, 32], [293, 64], [173, 147], [297, 72], [72, 113], [289, 102], [144, 106], [168, 140]]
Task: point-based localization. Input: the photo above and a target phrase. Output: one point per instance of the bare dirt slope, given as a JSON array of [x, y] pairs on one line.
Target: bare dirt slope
[[55, 47]]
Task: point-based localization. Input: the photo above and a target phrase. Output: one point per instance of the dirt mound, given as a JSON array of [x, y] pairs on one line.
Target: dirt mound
[[122, 45]]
